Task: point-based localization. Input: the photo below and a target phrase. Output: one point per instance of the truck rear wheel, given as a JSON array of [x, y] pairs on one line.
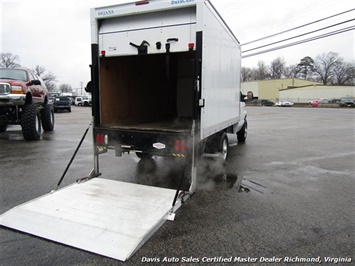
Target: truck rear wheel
[[243, 132], [47, 116], [3, 128], [31, 122], [143, 155], [223, 148]]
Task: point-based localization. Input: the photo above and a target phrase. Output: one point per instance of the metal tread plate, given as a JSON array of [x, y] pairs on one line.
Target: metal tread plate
[[106, 217]]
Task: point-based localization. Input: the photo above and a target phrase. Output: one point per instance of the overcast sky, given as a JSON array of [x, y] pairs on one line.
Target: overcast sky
[[56, 34]]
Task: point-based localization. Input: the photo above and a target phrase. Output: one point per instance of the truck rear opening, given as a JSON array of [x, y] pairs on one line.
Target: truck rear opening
[[146, 102], [147, 92]]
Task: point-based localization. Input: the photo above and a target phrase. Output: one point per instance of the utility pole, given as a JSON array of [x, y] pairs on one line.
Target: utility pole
[[81, 88]]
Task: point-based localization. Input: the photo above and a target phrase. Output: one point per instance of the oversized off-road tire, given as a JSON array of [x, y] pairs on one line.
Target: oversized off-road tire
[[3, 128], [243, 132], [31, 122], [47, 117], [223, 149]]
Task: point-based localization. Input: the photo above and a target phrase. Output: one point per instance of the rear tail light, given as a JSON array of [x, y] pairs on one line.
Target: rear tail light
[[177, 145], [101, 138], [142, 3], [180, 146], [191, 46]]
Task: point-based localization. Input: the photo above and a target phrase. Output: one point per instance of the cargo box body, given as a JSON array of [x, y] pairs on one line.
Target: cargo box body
[[165, 74]]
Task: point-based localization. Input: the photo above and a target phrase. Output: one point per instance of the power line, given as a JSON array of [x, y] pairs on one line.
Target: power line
[[297, 36], [298, 27], [303, 41]]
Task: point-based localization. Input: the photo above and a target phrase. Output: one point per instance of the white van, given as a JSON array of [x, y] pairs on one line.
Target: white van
[[82, 100]]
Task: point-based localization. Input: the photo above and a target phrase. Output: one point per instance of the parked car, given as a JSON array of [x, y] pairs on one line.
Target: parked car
[[262, 102], [82, 101], [347, 102], [24, 101], [334, 101], [266, 103], [284, 104], [317, 102], [62, 103]]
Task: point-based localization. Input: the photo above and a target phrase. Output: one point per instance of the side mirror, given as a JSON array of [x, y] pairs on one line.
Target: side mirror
[[242, 97], [88, 87]]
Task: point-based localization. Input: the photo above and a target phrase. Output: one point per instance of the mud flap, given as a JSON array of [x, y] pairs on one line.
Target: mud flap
[[106, 217]]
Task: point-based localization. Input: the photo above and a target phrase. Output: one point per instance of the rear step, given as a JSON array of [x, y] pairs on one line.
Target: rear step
[[106, 217]]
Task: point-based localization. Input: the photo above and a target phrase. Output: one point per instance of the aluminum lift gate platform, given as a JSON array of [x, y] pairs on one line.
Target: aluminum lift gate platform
[[106, 217]]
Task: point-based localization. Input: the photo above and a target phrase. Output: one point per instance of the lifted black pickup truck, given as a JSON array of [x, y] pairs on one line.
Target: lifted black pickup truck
[[62, 103]]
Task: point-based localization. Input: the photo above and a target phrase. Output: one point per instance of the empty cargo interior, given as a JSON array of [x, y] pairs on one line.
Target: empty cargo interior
[[147, 92]]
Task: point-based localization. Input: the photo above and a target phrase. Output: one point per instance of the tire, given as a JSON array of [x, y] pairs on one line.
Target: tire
[[143, 155], [31, 122], [3, 128], [243, 132], [47, 117], [69, 109], [223, 149]]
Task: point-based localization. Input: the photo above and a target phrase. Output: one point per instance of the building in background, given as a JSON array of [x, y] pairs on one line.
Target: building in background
[[312, 92], [295, 90]]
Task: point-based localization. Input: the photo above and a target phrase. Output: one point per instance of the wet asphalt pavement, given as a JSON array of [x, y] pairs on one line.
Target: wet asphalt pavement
[[296, 205]]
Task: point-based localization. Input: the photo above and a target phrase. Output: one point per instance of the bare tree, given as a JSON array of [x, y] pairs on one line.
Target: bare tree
[[290, 71], [327, 68], [344, 73], [48, 77], [9, 61], [247, 74], [325, 65], [277, 68], [262, 71], [39, 70], [65, 88]]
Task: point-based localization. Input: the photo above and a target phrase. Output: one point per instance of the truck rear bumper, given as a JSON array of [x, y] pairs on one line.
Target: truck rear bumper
[[12, 99], [154, 143]]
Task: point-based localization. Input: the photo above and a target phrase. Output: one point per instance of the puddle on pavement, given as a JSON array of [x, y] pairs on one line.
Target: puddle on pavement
[[250, 185]]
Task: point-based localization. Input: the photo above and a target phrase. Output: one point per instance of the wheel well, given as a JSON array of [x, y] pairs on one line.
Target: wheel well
[[28, 98]]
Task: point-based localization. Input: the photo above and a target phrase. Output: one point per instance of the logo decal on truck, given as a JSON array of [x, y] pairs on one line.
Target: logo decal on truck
[[177, 2], [105, 13], [159, 145]]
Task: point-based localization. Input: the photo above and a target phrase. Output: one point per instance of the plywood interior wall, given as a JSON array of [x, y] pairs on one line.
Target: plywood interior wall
[[137, 89]]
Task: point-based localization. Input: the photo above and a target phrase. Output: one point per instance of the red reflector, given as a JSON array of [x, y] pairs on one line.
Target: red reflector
[[177, 145], [100, 138], [182, 146], [142, 3], [191, 45]]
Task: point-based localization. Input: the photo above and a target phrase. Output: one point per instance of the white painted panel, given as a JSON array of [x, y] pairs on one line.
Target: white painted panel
[[220, 75], [116, 33]]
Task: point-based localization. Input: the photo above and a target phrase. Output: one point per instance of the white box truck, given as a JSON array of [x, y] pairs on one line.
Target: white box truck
[[166, 82]]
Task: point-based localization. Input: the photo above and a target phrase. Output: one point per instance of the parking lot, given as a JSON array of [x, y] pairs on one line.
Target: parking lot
[[296, 205]]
